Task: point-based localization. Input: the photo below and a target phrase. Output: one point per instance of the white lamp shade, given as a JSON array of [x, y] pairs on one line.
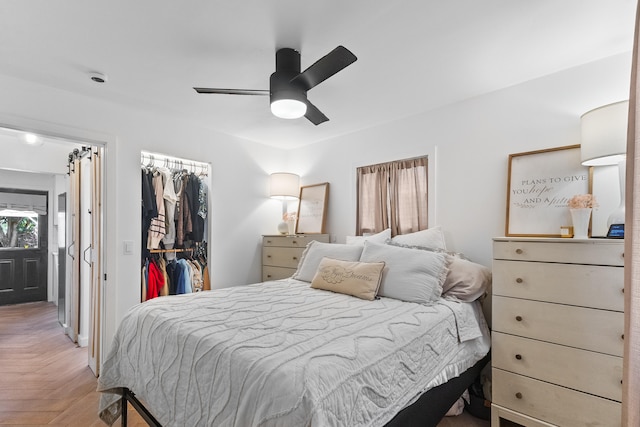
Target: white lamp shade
[[285, 186], [604, 134]]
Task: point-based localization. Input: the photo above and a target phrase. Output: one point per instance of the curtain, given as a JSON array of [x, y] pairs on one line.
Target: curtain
[[392, 195], [372, 202], [631, 374], [408, 196]]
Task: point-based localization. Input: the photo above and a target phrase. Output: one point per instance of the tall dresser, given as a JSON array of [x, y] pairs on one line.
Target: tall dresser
[[281, 254], [557, 336]]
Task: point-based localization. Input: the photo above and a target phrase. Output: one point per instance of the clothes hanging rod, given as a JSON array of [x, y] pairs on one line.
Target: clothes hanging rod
[[146, 157], [162, 251]]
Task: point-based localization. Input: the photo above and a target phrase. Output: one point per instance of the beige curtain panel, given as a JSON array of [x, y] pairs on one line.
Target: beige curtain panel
[[373, 210], [408, 195]]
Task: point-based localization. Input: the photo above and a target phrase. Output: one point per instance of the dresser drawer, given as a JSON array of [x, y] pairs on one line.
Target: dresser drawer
[[586, 328], [270, 272], [281, 257], [583, 285], [552, 403], [297, 241], [599, 252], [591, 372]]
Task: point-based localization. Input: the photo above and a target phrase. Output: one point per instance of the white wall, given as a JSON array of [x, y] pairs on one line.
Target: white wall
[[240, 210], [468, 146]]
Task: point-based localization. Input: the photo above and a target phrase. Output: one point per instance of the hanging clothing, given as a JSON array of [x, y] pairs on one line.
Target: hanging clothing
[[170, 200], [156, 281], [149, 208], [157, 226], [193, 198]]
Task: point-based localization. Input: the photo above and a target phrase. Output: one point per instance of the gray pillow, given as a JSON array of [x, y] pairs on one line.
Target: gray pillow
[[410, 274], [315, 251]]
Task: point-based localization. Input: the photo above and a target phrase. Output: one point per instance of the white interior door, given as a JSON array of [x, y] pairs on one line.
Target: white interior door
[[85, 252]]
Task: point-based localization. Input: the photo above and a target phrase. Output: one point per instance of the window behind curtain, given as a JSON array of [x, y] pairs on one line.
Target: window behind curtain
[[392, 195]]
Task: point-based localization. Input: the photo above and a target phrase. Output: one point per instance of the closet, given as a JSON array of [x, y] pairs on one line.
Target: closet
[[175, 226]]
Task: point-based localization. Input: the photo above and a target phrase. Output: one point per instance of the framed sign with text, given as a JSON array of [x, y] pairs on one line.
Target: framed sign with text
[[312, 210], [539, 187]]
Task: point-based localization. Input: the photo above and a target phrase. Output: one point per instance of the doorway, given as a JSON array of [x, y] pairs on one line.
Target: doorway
[[23, 246], [48, 165]]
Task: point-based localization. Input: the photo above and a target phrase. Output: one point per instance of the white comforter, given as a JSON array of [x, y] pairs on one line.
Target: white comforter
[[283, 354]]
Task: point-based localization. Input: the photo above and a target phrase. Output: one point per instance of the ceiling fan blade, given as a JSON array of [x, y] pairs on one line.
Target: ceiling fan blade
[[325, 67], [232, 91], [314, 115]]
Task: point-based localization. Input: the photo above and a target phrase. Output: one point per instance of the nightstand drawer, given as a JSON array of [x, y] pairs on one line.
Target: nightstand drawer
[[552, 403], [597, 252], [586, 328], [297, 241], [276, 273], [582, 285], [591, 372], [281, 257]]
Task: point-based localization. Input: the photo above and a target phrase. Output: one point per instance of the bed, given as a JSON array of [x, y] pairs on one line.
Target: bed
[[286, 353]]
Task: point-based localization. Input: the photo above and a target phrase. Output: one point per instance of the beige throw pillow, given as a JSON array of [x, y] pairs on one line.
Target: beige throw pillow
[[360, 279]]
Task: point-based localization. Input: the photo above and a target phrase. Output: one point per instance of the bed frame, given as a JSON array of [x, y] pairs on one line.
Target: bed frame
[[427, 411]]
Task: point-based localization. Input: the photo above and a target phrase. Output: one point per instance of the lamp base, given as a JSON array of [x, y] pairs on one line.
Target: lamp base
[[617, 216], [283, 228]]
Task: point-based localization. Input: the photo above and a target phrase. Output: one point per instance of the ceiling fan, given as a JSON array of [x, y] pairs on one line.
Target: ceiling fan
[[288, 86]]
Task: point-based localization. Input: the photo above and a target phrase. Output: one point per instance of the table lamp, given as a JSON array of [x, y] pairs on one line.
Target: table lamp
[[284, 186], [604, 142]]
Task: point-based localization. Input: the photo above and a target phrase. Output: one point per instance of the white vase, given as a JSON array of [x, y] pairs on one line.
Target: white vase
[[580, 218], [283, 227], [291, 223]]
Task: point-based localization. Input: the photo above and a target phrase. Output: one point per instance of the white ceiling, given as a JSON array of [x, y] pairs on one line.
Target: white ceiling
[[413, 56]]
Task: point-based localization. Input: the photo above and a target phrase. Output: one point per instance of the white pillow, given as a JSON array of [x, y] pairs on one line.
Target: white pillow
[[429, 238], [410, 274], [380, 237], [315, 251]]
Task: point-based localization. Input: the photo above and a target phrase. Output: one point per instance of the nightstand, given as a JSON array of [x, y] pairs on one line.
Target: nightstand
[[557, 336], [281, 254]]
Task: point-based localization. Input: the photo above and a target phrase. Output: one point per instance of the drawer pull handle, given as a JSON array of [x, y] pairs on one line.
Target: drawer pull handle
[[519, 395], [519, 280], [519, 318], [268, 276], [268, 241], [622, 336], [519, 251], [294, 242], [268, 256], [295, 257], [519, 356]]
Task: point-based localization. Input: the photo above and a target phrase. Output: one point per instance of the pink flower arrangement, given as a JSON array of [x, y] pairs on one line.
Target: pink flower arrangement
[[582, 201], [289, 216]]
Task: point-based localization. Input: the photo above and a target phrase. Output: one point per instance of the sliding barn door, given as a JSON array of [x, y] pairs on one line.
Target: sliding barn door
[[85, 252]]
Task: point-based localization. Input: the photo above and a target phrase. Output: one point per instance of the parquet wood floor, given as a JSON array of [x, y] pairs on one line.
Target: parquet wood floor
[[45, 380]]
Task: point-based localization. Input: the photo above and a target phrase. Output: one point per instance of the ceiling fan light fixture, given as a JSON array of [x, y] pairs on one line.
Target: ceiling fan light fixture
[[288, 108]]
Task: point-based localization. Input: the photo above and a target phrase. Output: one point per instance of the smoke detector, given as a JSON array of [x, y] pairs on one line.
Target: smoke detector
[[98, 77]]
